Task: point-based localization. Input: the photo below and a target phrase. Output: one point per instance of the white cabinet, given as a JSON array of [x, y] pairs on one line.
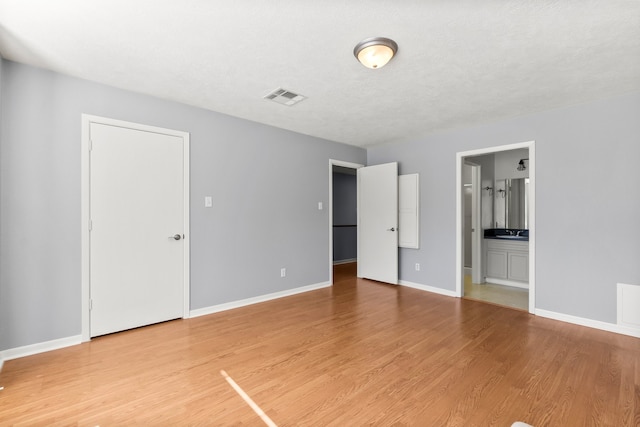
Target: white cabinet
[[518, 266], [507, 262], [408, 211], [497, 264]]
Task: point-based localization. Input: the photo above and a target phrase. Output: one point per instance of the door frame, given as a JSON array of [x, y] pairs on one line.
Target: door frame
[[343, 164], [85, 161], [460, 156], [476, 222]]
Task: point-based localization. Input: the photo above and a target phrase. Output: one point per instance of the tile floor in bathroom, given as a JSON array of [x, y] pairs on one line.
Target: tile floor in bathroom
[[507, 296]]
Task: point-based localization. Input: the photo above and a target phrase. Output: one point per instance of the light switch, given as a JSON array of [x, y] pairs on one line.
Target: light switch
[[319, 206], [208, 202]]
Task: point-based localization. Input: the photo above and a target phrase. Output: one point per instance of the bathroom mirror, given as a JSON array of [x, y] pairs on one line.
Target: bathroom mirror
[[511, 204]]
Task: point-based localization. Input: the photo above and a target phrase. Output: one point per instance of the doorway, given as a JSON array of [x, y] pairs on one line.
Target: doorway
[[135, 207], [342, 218], [505, 251]]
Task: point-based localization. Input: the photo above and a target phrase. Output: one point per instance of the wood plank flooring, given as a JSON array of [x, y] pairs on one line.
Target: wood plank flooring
[[358, 353]]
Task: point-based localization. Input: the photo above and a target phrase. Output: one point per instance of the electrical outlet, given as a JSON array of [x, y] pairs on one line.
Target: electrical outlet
[[417, 266], [283, 272]]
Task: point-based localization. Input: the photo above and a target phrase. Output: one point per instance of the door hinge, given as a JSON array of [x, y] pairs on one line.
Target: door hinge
[[90, 145], [90, 225], [90, 304]]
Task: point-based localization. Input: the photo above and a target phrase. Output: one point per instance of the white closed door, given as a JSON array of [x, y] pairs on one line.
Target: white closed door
[[378, 223], [137, 225]]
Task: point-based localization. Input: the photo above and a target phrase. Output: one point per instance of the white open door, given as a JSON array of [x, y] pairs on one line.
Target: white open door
[[378, 223], [137, 228]]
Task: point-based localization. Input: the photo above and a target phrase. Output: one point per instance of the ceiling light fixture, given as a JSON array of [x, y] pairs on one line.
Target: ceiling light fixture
[[375, 52]]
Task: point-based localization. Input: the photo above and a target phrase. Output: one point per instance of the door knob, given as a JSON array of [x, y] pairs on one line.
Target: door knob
[[391, 229], [175, 237]]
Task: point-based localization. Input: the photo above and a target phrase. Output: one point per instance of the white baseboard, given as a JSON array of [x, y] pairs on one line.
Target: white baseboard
[[255, 300], [504, 282], [596, 324], [345, 261], [1, 363], [428, 288], [28, 350]]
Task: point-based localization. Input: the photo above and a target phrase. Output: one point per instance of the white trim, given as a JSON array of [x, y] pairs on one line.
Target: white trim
[[504, 282], [532, 216], [427, 288], [255, 300], [532, 227], [343, 164], [1, 362], [85, 168], [459, 214], [596, 324], [85, 173], [186, 253], [476, 223], [345, 261], [42, 347], [497, 148]]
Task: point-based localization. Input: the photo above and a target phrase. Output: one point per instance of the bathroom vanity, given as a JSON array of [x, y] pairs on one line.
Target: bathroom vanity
[[506, 255]]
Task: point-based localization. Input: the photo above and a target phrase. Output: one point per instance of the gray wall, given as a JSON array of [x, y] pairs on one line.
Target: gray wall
[[345, 203], [262, 219], [587, 203]]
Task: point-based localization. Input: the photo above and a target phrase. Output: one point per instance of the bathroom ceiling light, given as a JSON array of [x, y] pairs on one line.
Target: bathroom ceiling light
[[521, 165], [375, 52]]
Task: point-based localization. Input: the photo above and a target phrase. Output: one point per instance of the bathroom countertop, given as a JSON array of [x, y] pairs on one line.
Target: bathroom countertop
[[510, 238], [512, 234]]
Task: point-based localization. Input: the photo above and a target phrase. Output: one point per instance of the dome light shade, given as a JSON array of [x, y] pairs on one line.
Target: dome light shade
[[375, 52]]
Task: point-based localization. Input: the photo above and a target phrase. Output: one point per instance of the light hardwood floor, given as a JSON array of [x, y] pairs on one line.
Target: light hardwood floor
[[358, 353]]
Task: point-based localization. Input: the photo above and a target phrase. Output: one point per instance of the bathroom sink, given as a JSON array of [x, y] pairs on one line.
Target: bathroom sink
[[507, 234]]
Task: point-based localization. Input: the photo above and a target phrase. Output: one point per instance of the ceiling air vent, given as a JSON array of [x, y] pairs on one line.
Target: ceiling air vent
[[284, 97]]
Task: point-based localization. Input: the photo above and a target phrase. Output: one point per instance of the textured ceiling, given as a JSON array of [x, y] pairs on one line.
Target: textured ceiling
[[459, 62]]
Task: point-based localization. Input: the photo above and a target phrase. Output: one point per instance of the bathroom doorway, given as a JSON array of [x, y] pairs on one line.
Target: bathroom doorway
[[499, 184]]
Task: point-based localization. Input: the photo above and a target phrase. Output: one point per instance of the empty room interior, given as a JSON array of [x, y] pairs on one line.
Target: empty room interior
[[294, 213]]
